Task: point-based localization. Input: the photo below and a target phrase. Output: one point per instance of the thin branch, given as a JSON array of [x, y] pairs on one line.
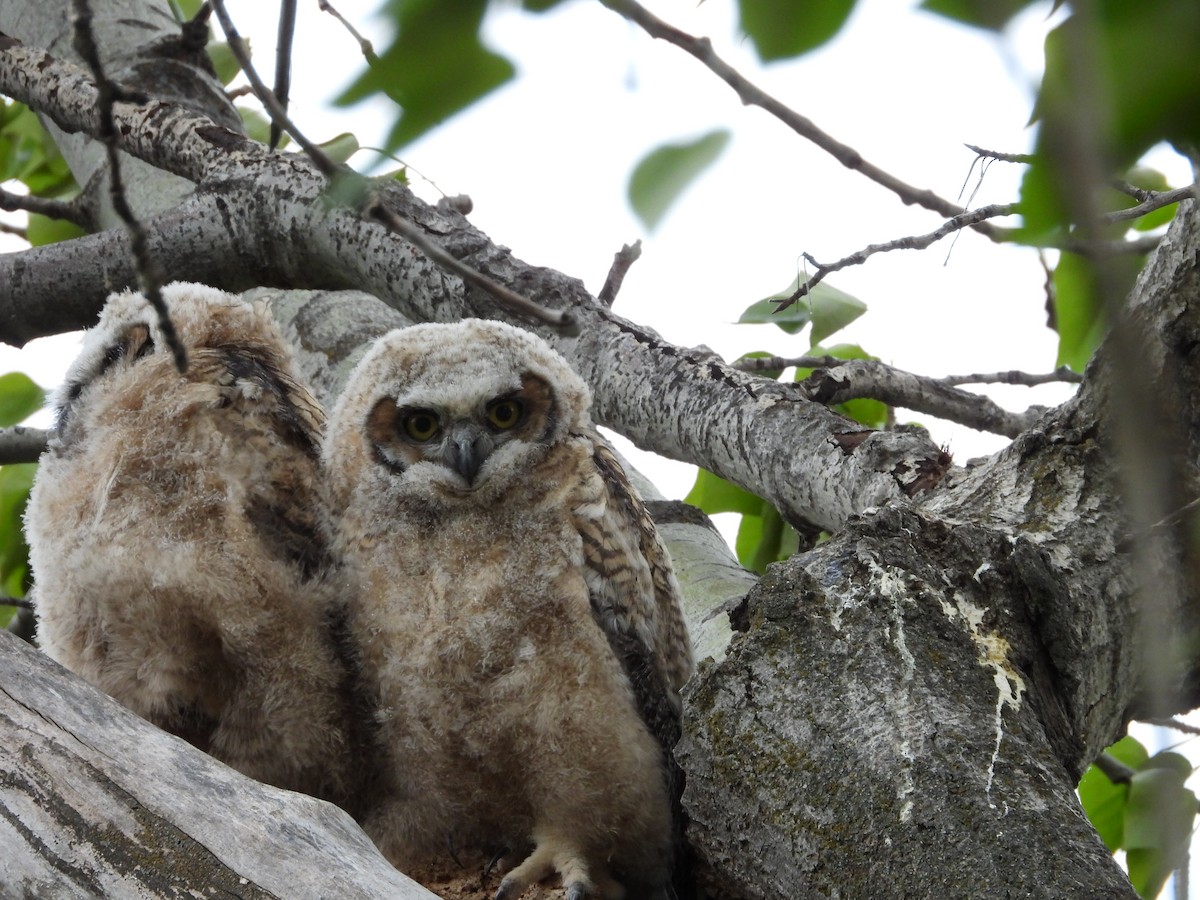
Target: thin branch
[[148, 271], [752, 95], [1061, 374], [1026, 379], [283, 62], [364, 45], [1174, 724], [1002, 157], [373, 207], [622, 260], [507, 298], [275, 110], [1117, 771], [69, 210], [914, 242], [18, 602], [20, 444], [17, 230], [837, 380], [1150, 201]]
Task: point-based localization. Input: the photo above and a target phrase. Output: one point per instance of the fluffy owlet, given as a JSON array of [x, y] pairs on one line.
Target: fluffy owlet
[[174, 531], [517, 615]]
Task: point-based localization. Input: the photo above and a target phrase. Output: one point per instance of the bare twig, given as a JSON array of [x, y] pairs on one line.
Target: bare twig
[[914, 242], [622, 260], [1002, 157], [775, 363], [1174, 724], [371, 203], [17, 230], [364, 45], [376, 209], [18, 602], [148, 271], [752, 95], [1062, 373], [283, 62], [1150, 201], [836, 380], [20, 444], [68, 210], [270, 102], [1117, 771]]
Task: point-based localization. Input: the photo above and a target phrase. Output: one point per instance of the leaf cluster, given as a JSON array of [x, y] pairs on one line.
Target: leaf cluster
[[763, 535], [19, 399], [1150, 816]]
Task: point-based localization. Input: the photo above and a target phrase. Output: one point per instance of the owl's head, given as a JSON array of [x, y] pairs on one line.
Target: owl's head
[[124, 360], [453, 411]]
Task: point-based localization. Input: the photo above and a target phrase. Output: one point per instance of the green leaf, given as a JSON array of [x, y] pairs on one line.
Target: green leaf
[[1158, 821], [714, 494], [42, 230], [15, 484], [791, 320], [1079, 320], [20, 398], [663, 174], [436, 67], [341, 147], [539, 6], [783, 30], [990, 14], [1105, 802], [832, 310], [829, 310], [223, 61]]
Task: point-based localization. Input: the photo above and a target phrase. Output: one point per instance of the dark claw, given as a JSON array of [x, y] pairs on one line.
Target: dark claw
[[577, 891], [494, 861]]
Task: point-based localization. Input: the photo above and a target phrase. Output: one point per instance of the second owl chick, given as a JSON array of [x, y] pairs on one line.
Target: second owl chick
[[516, 614], [174, 531]]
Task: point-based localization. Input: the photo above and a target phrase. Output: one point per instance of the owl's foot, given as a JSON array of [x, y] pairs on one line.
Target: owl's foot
[[552, 855]]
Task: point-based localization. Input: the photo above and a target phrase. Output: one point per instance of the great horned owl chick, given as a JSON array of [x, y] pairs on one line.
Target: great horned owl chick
[[517, 614], [175, 539]]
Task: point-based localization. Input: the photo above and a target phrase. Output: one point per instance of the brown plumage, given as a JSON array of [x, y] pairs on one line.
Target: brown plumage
[[175, 537], [516, 613]]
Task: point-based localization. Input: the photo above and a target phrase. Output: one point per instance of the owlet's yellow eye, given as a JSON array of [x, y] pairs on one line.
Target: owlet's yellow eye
[[504, 414], [421, 424]]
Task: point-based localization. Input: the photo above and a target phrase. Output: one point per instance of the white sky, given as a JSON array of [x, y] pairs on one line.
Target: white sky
[[547, 158]]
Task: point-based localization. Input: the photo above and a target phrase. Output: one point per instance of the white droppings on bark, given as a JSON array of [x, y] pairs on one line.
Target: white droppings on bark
[[993, 654]]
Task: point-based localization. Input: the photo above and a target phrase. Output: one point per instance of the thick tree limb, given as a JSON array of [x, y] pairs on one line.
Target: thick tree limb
[[94, 806], [662, 397]]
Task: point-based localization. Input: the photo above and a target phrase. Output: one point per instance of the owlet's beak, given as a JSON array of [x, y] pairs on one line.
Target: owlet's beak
[[466, 448]]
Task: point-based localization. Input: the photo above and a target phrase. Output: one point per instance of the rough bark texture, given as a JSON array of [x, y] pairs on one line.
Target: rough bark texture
[[96, 802], [907, 706], [258, 218]]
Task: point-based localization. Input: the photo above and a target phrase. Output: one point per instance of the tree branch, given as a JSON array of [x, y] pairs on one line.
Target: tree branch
[[838, 380], [661, 396], [915, 242], [20, 444], [752, 95], [68, 210]]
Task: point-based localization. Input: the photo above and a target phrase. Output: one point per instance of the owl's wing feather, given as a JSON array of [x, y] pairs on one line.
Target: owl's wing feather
[[634, 594]]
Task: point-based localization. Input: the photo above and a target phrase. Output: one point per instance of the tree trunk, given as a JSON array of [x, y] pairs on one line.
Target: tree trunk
[[905, 709]]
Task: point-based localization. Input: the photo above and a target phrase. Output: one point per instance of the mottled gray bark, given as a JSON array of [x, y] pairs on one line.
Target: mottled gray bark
[[908, 705], [259, 218], [96, 802], [911, 703]]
